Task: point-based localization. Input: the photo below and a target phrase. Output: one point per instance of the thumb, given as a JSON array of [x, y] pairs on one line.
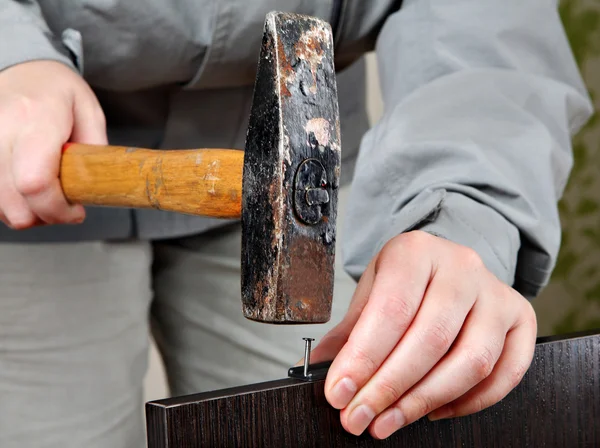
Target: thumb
[[89, 123], [337, 337]]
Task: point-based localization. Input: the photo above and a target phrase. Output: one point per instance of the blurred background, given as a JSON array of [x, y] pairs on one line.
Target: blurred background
[[571, 302]]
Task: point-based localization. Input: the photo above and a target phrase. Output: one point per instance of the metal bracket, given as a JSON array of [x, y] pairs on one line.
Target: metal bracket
[[315, 371]]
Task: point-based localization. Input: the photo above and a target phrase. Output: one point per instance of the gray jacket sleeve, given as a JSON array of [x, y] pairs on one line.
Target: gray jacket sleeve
[[481, 101], [25, 36]]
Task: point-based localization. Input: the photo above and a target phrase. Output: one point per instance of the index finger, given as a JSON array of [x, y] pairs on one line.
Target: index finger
[[35, 166], [401, 280]]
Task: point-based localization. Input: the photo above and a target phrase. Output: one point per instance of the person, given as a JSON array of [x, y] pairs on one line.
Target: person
[[448, 209]]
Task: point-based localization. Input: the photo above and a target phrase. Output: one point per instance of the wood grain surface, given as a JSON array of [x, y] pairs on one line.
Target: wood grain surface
[[205, 182], [556, 405]]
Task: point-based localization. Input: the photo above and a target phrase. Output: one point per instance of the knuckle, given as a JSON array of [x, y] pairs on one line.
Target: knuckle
[[529, 314], [470, 259], [388, 392], [416, 239], [400, 307], [516, 374], [480, 403], [481, 362], [438, 337], [25, 107], [387, 252], [423, 404], [362, 358], [100, 117], [31, 183], [410, 241]]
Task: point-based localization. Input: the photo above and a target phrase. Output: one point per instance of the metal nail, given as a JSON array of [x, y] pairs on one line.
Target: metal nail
[[307, 342]]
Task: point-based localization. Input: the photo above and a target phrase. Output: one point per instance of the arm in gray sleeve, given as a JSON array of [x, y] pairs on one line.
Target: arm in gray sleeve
[[481, 101], [25, 36]]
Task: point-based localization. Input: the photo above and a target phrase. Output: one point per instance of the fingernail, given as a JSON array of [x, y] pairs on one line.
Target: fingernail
[[78, 218], [360, 418], [342, 393], [438, 414], [388, 423]]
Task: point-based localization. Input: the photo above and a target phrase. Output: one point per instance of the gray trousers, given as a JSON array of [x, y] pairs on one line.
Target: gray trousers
[[75, 324]]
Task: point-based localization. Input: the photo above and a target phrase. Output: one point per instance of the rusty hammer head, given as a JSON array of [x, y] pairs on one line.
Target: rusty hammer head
[[291, 175]]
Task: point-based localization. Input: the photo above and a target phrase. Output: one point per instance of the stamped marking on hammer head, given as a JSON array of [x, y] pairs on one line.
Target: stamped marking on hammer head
[[291, 175]]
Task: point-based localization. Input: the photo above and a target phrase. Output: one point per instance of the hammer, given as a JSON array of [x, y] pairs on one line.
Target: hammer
[[283, 185]]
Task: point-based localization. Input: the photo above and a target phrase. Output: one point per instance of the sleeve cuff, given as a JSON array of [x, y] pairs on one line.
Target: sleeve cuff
[[469, 223], [465, 221], [22, 42]]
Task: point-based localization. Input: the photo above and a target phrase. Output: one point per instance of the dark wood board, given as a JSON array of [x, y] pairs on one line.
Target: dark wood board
[[556, 405]]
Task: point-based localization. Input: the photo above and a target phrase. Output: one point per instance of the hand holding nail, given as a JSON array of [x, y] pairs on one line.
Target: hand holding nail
[[430, 332]]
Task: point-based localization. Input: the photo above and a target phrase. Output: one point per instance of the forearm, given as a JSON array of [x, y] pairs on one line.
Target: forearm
[[474, 144]]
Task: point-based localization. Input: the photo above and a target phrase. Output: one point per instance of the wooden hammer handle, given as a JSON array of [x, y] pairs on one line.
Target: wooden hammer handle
[[205, 182]]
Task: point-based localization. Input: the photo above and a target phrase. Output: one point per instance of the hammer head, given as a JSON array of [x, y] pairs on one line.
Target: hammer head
[[291, 175]]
